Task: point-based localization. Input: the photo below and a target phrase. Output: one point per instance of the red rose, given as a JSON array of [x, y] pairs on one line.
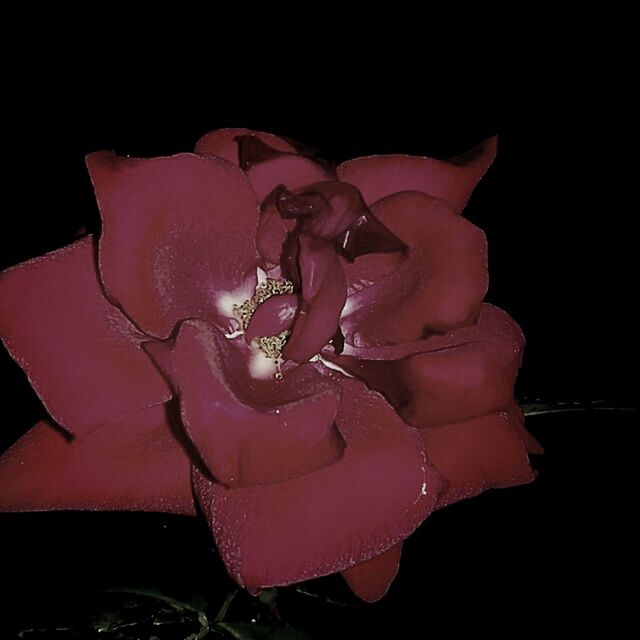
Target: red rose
[[302, 349]]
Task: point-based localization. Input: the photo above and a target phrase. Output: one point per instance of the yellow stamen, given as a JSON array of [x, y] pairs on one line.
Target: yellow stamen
[[272, 347]]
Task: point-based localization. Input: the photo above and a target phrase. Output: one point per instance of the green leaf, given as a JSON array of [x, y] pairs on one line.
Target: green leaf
[[196, 604], [244, 631]]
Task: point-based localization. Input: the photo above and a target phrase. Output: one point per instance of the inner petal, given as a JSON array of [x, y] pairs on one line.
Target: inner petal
[[266, 318], [272, 317], [249, 431]]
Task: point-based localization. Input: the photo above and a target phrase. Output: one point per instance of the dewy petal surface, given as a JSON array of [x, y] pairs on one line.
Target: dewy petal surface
[[452, 181], [348, 512], [371, 580], [466, 373], [479, 454], [177, 232], [247, 430], [222, 143], [439, 286], [132, 464], [80, 353]]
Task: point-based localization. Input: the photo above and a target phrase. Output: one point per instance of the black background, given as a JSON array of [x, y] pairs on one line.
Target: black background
[[560, 251]]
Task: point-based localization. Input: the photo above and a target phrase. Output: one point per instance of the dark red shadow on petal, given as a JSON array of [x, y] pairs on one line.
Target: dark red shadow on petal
[[271, 233], [292, 171], [467, 373], [252, 150], [337, 213], [438, 287], [223, 143], [324, 292], [368, 235]]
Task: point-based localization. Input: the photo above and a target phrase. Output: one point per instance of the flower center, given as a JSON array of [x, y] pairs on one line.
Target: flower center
[[264, 291], [270, 346]]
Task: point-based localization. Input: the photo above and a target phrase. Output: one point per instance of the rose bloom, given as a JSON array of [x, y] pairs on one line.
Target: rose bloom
[[297, 351]]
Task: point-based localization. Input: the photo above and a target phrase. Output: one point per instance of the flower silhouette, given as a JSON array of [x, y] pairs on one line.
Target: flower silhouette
[[298, 351]]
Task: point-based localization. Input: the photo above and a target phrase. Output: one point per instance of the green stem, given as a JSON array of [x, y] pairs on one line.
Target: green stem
[[225, 606], [539, 408]]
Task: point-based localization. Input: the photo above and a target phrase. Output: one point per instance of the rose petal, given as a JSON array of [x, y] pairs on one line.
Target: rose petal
[[132, 464], [467, 373], [371, 580], [336, 212], [438, 287], [249, 431], [223, 143], [176, 232], [272, 317], [453, 180], [477, 455], [271, 234], [531, 444], [324, 292], [349, 512], [80, 353], [291, 171]]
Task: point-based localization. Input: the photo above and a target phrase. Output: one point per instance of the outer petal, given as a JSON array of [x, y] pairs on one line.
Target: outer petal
[[81, 354], [371, 580], [452, 181], [351, 511], [531, 444], [222, 143], [249, 431], [133, 464], [176, 232], [438, 287], [467, 373], [477, 455]]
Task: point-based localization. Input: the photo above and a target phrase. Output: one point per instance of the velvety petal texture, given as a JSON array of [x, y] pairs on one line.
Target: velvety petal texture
[[336, 213], [136, 463], [178, 233], [438, 286], [466, 373], [452, 181], [247, 430], [477, 455], [179, 393], [80, 353], [351, 511]]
